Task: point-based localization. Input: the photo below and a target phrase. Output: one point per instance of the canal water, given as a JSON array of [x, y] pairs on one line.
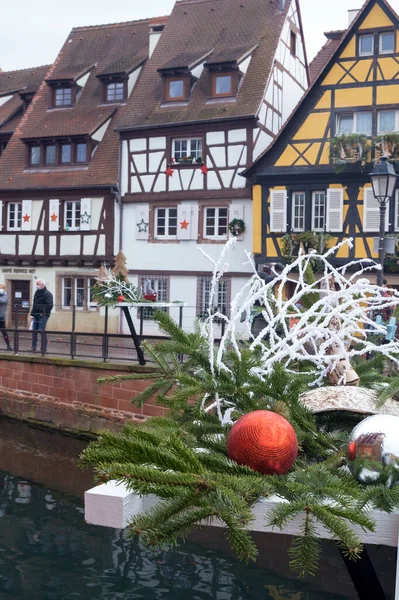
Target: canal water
[[47, 552]]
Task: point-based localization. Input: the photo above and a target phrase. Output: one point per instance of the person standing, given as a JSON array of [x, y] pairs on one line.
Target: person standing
[[3, 310], [40, 313]]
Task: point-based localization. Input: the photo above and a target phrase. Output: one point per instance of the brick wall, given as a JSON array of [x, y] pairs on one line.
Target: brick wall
[[65, 393]]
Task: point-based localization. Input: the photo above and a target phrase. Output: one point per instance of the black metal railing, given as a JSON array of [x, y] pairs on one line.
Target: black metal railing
[[74, 344]]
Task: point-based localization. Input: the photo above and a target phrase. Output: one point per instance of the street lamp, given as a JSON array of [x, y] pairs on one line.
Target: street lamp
[[383, 179]]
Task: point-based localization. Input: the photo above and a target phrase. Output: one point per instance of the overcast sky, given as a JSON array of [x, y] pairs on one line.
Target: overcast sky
[[32, 33]]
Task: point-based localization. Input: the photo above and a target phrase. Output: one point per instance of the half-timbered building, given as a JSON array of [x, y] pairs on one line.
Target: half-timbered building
[[313, 184], [223, 79], [59, 172]]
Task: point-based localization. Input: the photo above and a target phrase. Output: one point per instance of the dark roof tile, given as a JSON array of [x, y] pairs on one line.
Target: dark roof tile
[[215, 29]]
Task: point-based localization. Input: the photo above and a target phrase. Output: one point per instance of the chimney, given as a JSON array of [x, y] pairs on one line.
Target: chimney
[[156, 28], [352, 14]]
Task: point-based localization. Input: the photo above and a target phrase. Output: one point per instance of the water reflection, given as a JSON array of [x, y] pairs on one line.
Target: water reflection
[[47, 552]]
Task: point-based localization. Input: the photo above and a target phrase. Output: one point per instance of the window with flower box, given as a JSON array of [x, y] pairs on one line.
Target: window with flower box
[[187, 150]]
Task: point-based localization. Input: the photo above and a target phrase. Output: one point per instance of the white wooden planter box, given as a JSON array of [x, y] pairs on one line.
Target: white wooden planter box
[[112, 505]]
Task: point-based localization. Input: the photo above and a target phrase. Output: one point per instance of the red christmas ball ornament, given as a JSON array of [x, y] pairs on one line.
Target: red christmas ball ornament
[[121, 298], [263, 441]]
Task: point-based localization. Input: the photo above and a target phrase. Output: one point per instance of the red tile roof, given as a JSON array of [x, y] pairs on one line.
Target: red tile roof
[[16, 84], [208, 29], [94, 50]]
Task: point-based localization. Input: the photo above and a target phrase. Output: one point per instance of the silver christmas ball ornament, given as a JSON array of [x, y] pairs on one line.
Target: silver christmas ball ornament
[[108, 296], [373, 450]]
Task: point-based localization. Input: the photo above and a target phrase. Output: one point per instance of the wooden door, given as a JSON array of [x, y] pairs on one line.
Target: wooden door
[[20, 302]]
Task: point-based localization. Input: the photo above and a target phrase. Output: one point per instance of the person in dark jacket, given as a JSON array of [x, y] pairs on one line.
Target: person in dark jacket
[[3, 310], [41, 309]]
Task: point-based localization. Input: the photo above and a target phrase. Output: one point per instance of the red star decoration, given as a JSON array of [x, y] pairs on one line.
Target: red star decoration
[[184, 224], [169, 172], [26, 218], [54, 217], [204, 169]]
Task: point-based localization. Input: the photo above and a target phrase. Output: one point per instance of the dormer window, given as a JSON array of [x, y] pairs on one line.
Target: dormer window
[[63, 96], [222, 84], [50, 155], [176, 84], [115, 91], [60, 153], [35, 155], [175, 89]]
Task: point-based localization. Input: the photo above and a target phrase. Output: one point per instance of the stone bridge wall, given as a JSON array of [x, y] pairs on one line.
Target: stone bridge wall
[[65, 394]]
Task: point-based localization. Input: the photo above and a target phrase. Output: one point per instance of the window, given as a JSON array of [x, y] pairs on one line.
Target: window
[[318, 211], [222, 85], [81, 152], [35, 155], [387, 121], [160, 285], [59, 153], [360, 122], [115, 91], [221, 300], [176, 89], [293, 43], [76, 291], [166, 222], [66, 292], [387, 42], [72, 215], [66, 154], [79, 292], [215, 222], [50, 155], [298, 211], [366, 44], [187, 148], [63, 96], [14, 216]]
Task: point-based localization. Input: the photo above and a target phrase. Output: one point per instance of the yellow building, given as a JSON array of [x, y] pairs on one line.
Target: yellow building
[[315, 178]]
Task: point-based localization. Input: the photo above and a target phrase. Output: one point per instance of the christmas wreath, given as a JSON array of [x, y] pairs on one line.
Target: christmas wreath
[[236, 227]]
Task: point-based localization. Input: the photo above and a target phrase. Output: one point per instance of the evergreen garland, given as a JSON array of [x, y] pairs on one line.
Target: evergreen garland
[[183, 460]]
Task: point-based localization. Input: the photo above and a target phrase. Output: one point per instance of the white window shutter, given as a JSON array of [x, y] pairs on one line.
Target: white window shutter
[[278, 211], [335, 209], [396, 227], [54, 215], [194, 221], [26, 224], [142, 224], [236, 211], [184, 222], [371, 212], [85, 214], [1, 215]]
